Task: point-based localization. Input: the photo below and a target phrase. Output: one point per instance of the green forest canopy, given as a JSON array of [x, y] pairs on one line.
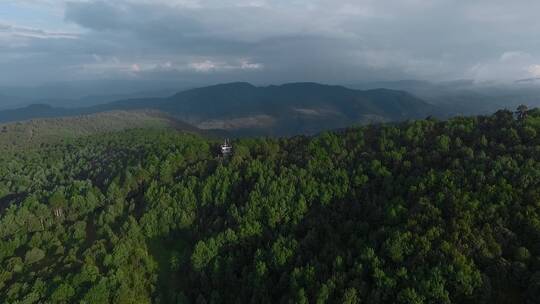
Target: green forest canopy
[[419, 212]]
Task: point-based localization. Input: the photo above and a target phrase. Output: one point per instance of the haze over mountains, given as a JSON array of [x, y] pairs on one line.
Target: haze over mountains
[[245, 109], [84, 93], [466, 97], [294, 108], [240, 108]]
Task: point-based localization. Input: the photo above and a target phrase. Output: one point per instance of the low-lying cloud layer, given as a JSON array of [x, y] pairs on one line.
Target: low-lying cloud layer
[[268, 41]]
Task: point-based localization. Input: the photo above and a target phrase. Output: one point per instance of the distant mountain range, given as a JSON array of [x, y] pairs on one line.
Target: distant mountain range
[[244, 109], [8, 101], [466, 97]]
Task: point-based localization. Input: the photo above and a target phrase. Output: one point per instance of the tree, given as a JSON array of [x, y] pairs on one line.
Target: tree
[[63, 293], [34, 255], [521, 112], [350, 296]]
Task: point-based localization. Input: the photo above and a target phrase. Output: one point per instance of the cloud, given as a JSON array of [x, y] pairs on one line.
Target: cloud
[[204, 66], [534, 70], [135, 68], [246, 65], [510, 66], [7, 30], [209, 66], [275, 40]]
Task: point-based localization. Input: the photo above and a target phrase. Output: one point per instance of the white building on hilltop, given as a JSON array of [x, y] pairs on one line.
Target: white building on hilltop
[[226, 148]]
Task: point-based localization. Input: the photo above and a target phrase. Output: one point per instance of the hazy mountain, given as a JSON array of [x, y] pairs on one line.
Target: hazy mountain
[[285, 109], [465, 96], [7, 101], [77, 94], [34, 111], [274, 110], [73, 90]]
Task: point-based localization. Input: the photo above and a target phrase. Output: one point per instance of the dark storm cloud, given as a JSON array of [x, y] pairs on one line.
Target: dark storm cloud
[[276, 40], [280, 45]]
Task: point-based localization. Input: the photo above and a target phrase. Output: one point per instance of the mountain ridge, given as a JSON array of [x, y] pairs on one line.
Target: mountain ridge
[[294, 108]]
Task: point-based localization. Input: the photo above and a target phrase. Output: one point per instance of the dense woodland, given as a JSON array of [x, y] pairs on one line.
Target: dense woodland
[[32, 133], [425, 211]]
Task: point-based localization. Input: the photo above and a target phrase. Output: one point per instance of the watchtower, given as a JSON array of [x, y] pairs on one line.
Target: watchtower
[[226, 148]]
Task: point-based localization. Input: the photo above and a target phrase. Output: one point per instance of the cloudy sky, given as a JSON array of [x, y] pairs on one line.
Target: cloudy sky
[[268, 41]]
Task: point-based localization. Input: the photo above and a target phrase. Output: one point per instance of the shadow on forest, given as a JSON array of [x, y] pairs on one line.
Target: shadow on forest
[[171, 254], [11, 199]]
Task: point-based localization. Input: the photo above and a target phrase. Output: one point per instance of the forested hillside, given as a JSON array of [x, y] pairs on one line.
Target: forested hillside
[[32, 133], [418, 212]]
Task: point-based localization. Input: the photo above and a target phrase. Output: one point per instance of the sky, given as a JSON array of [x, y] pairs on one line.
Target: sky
[[268, 41]]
